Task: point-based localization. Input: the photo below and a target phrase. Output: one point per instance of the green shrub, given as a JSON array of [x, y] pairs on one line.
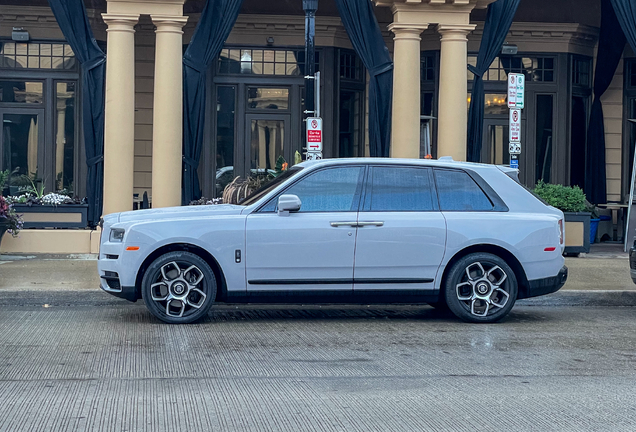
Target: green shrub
[[565, 198]]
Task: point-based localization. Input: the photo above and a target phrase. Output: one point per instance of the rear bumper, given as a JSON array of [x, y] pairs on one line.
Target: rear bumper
[[539, 287]]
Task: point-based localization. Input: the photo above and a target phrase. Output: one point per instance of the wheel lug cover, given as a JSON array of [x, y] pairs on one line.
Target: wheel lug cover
[[179, 288], [483, 288]]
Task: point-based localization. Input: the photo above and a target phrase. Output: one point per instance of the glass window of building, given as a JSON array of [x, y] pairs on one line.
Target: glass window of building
[[39, 114]]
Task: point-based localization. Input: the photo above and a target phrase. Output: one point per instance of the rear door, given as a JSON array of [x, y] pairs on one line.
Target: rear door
[[401, 232]]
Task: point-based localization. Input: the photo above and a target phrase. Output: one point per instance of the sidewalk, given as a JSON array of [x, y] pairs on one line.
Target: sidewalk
[[606, 267]]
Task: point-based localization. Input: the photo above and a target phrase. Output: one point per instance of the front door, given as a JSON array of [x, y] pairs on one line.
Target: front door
[[21, 145], [268, 138], [401, 232], [312, 249]]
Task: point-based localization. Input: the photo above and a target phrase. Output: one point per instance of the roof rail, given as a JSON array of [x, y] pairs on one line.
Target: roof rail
[[446, 159]]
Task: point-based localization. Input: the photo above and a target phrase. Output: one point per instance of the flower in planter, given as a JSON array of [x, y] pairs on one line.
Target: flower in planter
[[56, 199], [9, 217]]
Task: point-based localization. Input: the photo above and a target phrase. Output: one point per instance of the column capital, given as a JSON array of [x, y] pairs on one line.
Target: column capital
[[455, 32], [121, 22], [407, 31], [169, 23]]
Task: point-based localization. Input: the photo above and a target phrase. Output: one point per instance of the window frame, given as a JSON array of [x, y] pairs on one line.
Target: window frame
[[50, 77], [368, 189], [498, 205], [358, 194]]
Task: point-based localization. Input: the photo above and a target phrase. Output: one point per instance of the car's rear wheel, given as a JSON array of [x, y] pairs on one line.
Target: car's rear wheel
[[179, 287], [481, 288]]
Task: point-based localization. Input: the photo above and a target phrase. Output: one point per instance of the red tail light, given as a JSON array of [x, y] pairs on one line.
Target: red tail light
[[561, 233]]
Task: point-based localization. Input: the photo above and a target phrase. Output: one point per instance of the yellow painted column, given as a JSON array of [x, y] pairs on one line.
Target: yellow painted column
[[453, 90], [119, 115], [167, 122], [405, 121]]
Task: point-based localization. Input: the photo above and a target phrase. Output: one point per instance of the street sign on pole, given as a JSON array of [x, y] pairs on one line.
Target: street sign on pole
[[516, 90], [515, 125], [516, 101], [314, 138]]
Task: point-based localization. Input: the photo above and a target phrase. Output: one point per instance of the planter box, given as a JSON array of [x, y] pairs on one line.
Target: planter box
[[577, 233], [50, 216]]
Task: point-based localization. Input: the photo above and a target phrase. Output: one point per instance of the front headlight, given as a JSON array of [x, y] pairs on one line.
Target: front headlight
[[117, 235]]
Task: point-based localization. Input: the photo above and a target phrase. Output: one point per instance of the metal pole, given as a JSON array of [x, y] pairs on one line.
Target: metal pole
[[317, 94], [310, 7]]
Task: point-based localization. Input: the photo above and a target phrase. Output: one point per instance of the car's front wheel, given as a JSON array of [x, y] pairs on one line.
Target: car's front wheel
[[179, 287], [481, 288]]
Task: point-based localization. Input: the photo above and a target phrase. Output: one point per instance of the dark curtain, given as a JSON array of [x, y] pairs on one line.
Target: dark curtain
[[73, 21], [498, 21], [364, 32], [626, 14], [610, 49], [216, 22]]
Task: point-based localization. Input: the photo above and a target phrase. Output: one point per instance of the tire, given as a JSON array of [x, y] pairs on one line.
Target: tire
[[474, 273], [179, 297]]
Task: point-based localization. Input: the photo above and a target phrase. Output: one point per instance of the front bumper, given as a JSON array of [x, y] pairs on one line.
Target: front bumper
[[110, 283], [539, 287], [632, 263]]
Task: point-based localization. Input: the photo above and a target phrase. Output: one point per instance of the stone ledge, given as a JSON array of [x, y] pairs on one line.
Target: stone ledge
[[52, 241]]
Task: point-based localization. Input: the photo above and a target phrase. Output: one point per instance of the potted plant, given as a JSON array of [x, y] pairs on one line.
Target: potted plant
[[48, 210], [9, 220], [571, 201]]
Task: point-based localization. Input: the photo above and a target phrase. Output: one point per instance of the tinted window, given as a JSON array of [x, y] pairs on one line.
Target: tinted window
[[401, 189], [458, 192], [329, 190]]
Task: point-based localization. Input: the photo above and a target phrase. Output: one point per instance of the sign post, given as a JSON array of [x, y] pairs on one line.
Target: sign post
[[516, 102], [314, 124]]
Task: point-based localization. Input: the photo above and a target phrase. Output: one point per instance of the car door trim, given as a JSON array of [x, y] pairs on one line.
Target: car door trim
[[337, 281]]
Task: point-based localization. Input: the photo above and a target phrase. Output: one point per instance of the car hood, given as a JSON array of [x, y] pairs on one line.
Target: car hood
[[180, 212]]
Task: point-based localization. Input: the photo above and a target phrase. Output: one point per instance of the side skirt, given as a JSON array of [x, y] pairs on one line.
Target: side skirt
[[334, 297]]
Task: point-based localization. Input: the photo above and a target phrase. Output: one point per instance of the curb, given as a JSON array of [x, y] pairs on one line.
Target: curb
[[605, 298], [95, 297]]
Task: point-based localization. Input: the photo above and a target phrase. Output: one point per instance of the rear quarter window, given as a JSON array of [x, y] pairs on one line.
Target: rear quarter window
[[457, 191]]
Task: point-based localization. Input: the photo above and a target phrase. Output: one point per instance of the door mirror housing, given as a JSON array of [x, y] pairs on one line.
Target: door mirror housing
[[287, 204]]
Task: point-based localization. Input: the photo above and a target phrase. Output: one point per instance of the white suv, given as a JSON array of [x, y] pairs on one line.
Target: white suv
[[458, 235]]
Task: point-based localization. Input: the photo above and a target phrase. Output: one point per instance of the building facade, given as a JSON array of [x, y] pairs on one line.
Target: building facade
[[255, 95]]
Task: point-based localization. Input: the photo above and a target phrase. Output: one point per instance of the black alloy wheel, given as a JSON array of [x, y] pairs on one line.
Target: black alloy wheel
[[179, 287]]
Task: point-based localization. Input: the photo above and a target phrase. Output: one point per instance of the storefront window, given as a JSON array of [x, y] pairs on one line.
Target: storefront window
[[539, 69], [28, 92], [225, 107], [263, 62], [33, 55], [350, 124], [267, 98], [65, 135], [544, 109], [21, 142]]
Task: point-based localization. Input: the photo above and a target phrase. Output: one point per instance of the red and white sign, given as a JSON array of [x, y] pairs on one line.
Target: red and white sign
[[515, 125], [314, 134]]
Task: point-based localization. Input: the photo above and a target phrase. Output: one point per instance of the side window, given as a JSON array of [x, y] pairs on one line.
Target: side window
[[458, 192], [328, 190], [400, 189]]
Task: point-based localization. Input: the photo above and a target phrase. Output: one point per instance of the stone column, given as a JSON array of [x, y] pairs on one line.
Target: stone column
[[167, 122], [405, 122], [119, 116], [453, 91]]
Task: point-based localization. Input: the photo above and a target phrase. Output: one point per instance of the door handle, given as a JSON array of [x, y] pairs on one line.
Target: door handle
[[339, 224], [373, 223]]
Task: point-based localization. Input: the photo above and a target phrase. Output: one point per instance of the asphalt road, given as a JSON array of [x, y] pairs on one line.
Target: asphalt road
[[83, 361]]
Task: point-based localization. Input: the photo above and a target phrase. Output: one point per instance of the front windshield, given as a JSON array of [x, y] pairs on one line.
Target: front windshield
[[265, 189]]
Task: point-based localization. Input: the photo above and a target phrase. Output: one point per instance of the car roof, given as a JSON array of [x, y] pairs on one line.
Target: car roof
[[441, 163]]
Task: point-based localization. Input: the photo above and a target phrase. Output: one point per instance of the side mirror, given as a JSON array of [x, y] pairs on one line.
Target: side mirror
[[287, 204]]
